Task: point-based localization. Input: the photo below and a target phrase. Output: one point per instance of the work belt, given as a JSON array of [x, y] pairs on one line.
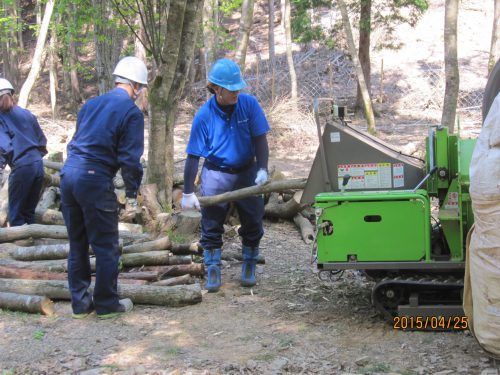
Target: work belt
[[230, 170]]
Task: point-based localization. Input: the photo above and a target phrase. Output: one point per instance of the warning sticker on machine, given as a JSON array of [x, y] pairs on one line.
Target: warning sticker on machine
[[370, 175], [398, 175]]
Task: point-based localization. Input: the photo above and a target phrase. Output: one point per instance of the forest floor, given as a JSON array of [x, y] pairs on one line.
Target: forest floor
[[291, 322]]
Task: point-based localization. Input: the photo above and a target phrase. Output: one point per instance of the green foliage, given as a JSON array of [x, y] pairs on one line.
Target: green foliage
[[385, 16], [39, 334]]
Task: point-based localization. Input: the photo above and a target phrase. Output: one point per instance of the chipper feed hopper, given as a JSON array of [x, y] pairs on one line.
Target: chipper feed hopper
[[401, 220]]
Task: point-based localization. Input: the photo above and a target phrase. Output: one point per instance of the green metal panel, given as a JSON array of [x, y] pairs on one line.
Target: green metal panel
[[373, 227]]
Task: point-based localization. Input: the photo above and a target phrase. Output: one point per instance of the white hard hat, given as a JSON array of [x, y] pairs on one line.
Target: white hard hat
[[5, 87], [133, 69]]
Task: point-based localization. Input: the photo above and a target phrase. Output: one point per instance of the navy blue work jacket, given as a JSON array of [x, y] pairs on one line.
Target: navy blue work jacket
[[22, 141], [110, 133]]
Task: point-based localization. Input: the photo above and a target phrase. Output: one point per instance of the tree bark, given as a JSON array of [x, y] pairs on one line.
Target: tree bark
[[246, 21], [42, 252], [187, 222], [50, 231], [149, 193], [140, 275], [51, 180], [367, 104], [364, 48], [272, 54], [37, 57], [450, 65], [163, 243], [13, 272], [194, 269], [285, 210], [26, 303], [4, 203], [253, 190], [209, 42], [178, 280], [153, 258], [289, 53], [305, 227], [49, 217], [52, 164], [48, 199], [180, 295], [53, 73], [495, 36]]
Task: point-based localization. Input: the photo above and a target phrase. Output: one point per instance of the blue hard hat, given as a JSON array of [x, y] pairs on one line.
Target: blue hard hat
[[226, 73]]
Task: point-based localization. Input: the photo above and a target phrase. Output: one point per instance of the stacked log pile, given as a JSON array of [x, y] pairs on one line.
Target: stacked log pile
[[33, 258]]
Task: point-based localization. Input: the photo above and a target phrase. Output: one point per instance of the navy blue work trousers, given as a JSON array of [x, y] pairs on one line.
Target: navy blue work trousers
[[250, 210], [25, 185], [90, 211]]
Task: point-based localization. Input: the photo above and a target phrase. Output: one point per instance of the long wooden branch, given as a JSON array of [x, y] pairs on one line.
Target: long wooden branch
[[253, 190]]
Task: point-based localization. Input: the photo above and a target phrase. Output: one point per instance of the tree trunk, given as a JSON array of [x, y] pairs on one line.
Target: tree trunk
[[495, 36], [180, 295], [450, 65], [246, 21], [26, 303], [108, 41], [209, 42], [53, 73], [367, 104], [289, 54], [149, 193], [141, 275], [364, 48], [48, 199], [268, 187], [272, 55], [37, 57], [187, 222]]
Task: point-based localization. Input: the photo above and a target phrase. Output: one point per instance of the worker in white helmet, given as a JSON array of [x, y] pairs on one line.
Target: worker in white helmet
[[22, 147], [109, 136]]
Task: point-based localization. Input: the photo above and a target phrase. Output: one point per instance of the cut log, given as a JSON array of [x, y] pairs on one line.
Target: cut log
[[193, 248], [51, 180], [43, 252], [268, 187], [235, 255], [285, 210], [21, 273], [48, 217], [149, 193], [159, 244], [26, 303], [48, 199], [141, 275], [179, 295], [52, 231], [178, 280], [305, 227], [57, 166], [4, 202], [18, 273], [153, 258], [194, 269], [187, 222], [58, 265]]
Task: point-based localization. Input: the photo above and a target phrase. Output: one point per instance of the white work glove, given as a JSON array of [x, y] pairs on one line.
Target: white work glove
[[261, 177], [190, 201]]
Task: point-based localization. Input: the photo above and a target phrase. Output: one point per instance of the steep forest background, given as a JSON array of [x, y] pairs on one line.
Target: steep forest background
[[59, 53]]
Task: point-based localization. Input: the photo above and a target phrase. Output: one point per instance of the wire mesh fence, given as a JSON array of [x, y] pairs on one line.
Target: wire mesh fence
[[416, 98]]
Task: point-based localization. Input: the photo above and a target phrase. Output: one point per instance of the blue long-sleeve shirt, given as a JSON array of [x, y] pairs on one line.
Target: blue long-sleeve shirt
[[110, 132], [22, 141]]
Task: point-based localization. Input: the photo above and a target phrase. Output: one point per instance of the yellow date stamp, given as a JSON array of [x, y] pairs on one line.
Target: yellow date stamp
[[430, 323]]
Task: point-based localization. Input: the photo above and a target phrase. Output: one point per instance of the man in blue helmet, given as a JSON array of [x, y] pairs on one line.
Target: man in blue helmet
[[229, 132], [109, 136]]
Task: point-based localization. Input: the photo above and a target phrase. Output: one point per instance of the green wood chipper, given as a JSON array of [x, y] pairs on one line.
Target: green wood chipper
[[401, 220]]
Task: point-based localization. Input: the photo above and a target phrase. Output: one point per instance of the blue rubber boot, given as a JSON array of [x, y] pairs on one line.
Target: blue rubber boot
[[250, 255], [212, 263]]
